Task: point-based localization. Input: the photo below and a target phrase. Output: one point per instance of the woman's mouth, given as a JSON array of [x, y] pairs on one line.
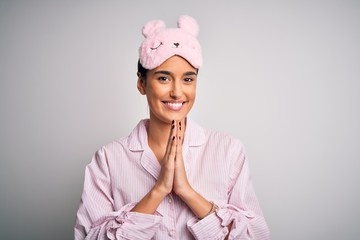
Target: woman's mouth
[[174, 106]]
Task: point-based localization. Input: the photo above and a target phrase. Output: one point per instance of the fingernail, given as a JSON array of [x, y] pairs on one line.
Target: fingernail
[[180, 123], [172, 121], [173, 138], [179, 137], [180, 128], [172, 126]]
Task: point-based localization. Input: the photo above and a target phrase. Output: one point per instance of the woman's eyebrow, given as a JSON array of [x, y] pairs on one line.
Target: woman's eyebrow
[[163, 72], [190, 73]]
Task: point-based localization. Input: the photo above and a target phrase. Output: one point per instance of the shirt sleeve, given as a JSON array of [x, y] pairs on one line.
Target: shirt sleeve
[[242, 209], [96, 216]]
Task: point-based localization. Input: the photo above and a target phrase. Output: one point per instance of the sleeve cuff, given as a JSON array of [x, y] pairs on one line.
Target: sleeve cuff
[[215, 226], [210, 227], [131, 225]]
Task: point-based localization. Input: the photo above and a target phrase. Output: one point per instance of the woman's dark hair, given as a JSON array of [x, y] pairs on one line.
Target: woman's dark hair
[[143, 71]]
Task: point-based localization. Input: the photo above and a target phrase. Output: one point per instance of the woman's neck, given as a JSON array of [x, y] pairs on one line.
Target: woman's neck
[[158, 137], [158, 133]]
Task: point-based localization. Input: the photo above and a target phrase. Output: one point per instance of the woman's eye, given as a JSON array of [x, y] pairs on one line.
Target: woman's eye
[[188, 80], [163, 79]]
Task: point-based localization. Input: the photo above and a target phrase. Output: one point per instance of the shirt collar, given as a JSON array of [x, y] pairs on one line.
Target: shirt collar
[[194, 135]]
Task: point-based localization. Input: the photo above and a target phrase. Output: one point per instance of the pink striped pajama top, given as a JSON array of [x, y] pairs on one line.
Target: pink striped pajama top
[[123, 172]]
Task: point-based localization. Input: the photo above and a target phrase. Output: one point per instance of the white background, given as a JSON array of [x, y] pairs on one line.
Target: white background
[[282, 76]]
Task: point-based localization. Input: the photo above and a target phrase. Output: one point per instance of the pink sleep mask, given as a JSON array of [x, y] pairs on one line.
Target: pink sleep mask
[[162, 43]]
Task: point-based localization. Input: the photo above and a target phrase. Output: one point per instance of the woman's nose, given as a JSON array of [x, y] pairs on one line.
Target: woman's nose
[[176, 90]]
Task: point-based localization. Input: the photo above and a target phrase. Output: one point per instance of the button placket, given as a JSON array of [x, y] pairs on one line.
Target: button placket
[[171, 209]]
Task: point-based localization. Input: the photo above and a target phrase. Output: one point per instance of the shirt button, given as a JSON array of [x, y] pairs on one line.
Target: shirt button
[[170, 200], [172, 233]]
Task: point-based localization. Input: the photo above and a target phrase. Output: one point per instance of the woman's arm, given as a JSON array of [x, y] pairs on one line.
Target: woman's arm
[[96, 216], [242, 215], [200, 206]]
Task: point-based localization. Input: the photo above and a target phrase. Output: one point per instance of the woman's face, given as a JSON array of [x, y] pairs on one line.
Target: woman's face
[[170, 89]]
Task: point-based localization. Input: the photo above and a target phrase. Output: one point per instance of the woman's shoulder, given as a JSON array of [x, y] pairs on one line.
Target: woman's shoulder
[[218, 137], [134, 141], [224, 145], [117, 143], [222, 138]]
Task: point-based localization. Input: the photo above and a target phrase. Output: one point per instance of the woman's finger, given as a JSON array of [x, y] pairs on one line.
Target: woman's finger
[[170, 140], [181, 131]]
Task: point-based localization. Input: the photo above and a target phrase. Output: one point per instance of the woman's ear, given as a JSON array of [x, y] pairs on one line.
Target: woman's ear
[[141, 84]]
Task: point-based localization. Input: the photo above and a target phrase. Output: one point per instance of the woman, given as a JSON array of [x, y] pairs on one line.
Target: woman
[[170, 178]]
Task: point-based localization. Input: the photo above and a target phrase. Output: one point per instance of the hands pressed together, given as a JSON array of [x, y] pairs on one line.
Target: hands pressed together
[[172, 176], [173, 179]]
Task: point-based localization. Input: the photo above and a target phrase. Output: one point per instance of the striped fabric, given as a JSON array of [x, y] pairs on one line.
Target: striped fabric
[[122, 172]]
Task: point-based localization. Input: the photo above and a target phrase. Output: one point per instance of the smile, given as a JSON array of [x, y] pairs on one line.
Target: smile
[[174, 106]]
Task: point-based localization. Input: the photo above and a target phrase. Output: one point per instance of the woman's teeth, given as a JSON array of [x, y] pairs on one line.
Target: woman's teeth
[[174, 106]]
